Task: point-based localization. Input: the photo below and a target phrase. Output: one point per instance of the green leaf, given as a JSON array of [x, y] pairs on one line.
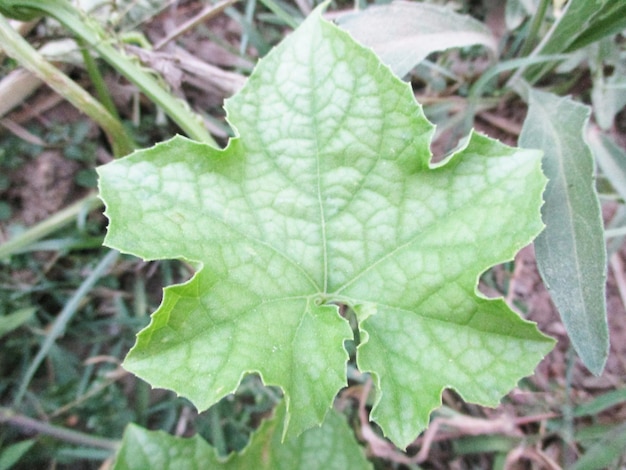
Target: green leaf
[[326, 197], [11, 454], [605, 453], [570, 252], [403, 33], [516, 11], [331, 446], [581, 23], [606, 18], [16, 319], [601, 403]]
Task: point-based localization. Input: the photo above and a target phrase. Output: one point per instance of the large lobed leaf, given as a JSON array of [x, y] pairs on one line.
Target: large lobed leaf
[[326, 197]]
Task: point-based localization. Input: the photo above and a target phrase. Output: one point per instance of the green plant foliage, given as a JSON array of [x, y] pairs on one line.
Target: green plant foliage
[[581, 23], [404, 33], [10, 455], [571, 254], [14, 320], [606, 453], [331, 446], [610, 158], [327, 198], [607, 62]]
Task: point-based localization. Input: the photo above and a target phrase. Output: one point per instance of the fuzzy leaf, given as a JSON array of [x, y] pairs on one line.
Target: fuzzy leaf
[[404, 33], [331, 446], [326, 197], [571, 253]]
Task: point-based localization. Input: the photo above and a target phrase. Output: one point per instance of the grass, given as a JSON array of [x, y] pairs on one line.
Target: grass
[[69, 309]]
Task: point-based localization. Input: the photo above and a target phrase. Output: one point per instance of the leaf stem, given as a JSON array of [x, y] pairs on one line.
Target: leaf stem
[[96, 79]]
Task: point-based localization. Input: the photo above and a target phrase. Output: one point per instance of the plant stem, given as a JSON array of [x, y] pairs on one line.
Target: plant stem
[[19, 49], [60, 322], [217, 433], [28, 424], [96, 79], [48, 226], [92, 34], [534, 28]]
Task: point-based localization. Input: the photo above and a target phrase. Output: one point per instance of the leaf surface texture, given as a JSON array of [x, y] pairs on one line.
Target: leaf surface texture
[[326, 197]]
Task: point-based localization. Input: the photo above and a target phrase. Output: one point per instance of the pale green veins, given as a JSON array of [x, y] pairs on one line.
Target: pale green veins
[[327, 192]]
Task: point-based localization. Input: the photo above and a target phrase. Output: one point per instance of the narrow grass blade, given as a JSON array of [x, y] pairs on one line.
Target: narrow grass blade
[[581, 23], [601, 403], [605, 452], [571, 254], [44, 228], [61, 321]]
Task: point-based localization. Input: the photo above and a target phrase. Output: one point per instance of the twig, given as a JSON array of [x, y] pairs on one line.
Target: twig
[[28, 425], [531, 454], [22, 133], [377, 445], [206, 14], [469, 426], [504, 124], [119, 373]]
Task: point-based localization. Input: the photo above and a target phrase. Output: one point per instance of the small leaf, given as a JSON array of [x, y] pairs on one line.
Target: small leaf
[[601, 403], [331, 446], [327, 197], [404, 33], [14, 320], [571, 253], [11, 454]]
